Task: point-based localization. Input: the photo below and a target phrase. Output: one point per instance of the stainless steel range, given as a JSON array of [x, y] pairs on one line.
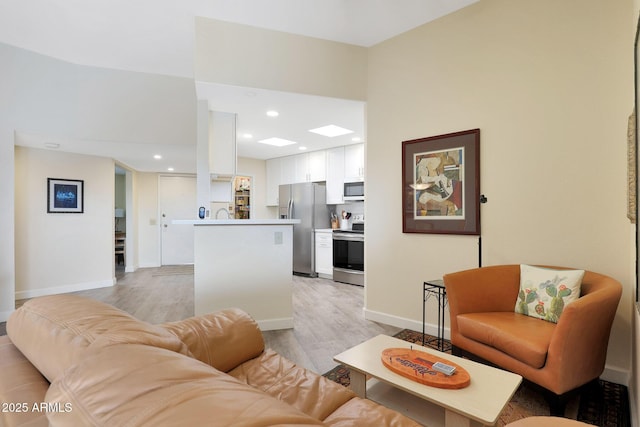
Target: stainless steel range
[[348, 255]]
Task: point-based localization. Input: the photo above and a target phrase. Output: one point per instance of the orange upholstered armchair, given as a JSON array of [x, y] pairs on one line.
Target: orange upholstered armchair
[[560, 357]]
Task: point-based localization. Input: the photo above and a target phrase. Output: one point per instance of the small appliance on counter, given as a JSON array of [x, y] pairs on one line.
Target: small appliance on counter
[[344, 221]]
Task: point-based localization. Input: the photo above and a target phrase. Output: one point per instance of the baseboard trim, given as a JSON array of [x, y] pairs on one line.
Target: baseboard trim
[[275, 324], [616, 375], [148, 265], [33, 293], [403, 322]]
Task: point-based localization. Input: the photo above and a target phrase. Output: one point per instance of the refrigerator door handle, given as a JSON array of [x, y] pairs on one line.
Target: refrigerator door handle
[[290, 210]]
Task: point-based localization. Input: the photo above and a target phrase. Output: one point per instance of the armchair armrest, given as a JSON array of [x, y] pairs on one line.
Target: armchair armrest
[[223, 339], [578, 348]]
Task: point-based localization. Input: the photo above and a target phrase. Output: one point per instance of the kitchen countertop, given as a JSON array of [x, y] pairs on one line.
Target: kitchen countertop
[[235, 221]]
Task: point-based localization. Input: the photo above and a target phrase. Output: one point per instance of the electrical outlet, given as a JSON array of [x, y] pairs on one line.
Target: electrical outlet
[[358, 217]]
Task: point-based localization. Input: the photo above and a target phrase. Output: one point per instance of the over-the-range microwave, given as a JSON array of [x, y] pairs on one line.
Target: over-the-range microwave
[[353, 190]]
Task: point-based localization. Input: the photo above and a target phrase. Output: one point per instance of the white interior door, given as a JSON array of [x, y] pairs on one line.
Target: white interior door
[[177, 198]]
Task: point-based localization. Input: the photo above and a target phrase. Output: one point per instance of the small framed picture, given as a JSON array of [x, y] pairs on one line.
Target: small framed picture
[[441, 184], [65, 195]]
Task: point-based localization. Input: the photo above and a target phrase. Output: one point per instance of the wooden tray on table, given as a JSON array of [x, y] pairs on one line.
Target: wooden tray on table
[[418, 366]]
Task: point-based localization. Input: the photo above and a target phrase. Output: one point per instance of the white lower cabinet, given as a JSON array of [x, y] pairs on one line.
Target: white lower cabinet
[[324, 253]]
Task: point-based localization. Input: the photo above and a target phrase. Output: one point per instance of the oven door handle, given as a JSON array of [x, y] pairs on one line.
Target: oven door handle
[[348, 237]]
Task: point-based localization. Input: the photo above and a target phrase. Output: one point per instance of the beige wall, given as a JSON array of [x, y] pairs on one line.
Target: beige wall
[[58, 253], [550, 85], [242, 55]]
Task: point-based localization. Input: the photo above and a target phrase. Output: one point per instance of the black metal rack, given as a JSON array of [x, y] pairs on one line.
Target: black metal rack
[[435, 288]]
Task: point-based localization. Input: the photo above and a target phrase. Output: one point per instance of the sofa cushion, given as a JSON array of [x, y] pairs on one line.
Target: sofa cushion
[[363, 412], [544, 292], [305, 390], [223, 339], [522, 337], [22, 386], [54, 331], [137, 385]]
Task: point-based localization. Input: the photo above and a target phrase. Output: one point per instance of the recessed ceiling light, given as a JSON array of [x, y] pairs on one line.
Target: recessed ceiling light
[[302, 148], [356, 139], [247, 136], [278, 142], [331, 131], [272, 113], [170, 169], [52, 145], [157, 156]]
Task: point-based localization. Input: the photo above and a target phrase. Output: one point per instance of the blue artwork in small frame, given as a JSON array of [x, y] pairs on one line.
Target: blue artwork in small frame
[[65, 195]]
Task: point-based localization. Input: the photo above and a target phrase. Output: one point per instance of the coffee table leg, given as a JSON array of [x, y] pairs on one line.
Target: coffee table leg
[[452, 419], [358, 383]]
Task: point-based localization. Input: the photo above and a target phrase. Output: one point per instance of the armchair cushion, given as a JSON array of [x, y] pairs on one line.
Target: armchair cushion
[[504, 331], [544, 292]]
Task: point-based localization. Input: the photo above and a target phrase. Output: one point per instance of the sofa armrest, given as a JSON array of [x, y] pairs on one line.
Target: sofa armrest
[[486, 289], [223, 339]]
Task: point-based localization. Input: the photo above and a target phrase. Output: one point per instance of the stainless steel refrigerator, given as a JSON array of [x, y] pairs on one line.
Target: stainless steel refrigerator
[[306, 202]]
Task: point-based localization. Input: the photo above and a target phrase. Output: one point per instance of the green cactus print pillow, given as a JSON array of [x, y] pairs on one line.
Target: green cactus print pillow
[[545, 292]]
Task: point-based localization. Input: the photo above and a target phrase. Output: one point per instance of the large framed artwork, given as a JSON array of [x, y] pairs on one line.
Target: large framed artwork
[[65, 195], [441, 184]]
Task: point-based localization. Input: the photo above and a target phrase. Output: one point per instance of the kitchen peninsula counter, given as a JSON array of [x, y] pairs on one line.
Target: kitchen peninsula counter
[[236, 221], [245, 263]]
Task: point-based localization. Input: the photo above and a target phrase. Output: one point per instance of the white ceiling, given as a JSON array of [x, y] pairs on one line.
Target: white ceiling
[[156, 36], [297, 115]]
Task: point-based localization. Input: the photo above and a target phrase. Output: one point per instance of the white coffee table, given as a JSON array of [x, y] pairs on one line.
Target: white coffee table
[[478, 404]]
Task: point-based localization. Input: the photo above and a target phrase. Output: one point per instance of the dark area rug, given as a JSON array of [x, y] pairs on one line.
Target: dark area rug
[[603, 404]]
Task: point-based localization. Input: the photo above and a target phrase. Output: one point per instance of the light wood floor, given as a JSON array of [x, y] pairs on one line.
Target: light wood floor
[[328, 316]]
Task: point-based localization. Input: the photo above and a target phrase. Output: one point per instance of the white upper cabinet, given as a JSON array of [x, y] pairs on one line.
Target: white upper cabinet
[[301, 168], [317, 166], [288, 174], [335, 166], [274, 168], [307, 167], [222, 144], [335, 175], [354, 163]]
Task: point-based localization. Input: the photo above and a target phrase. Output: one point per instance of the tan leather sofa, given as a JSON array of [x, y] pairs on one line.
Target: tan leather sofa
[[558, 357], [71, 361]]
